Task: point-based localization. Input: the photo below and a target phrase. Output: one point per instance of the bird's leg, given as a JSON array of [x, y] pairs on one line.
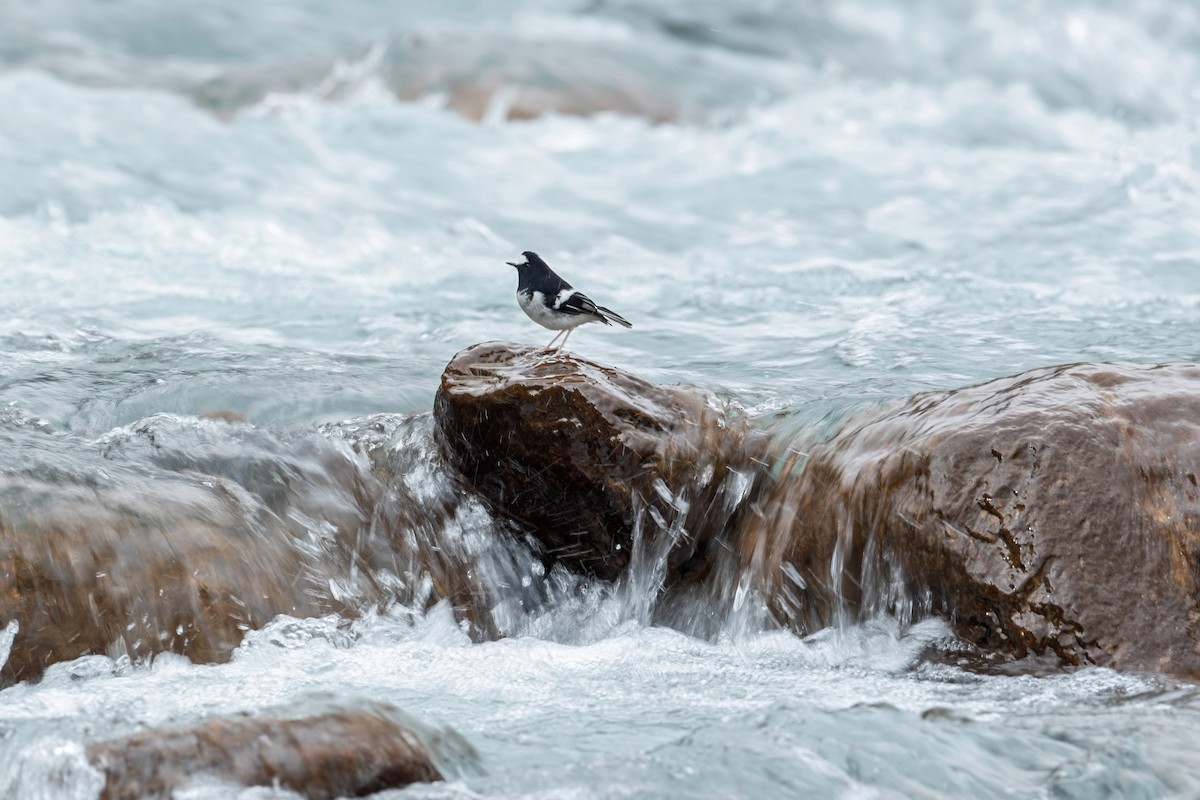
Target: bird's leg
[[563, 343], [550, 346]]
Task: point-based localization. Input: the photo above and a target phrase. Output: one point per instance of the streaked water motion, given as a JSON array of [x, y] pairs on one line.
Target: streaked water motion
[[299, 213]]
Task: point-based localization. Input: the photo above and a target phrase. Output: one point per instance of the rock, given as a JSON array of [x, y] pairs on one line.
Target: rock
[[338, 752], [134, 570], [1051, 513], [179, 535], [481, 78], [584, 456], [1054, 512], [224, 415]]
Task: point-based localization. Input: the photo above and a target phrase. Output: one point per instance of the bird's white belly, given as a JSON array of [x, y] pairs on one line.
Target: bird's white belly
[[535, 307]]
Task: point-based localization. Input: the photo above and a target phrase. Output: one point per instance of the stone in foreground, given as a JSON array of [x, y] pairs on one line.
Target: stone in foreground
[[330, 754]]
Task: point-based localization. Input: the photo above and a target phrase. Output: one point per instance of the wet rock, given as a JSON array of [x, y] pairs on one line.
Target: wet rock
[[478, 77], [1055, 512], [134, 570], [180, 535], [224, 415], [1051, 514], [347, 752], [587, 458], [172, 535], [481, 79]]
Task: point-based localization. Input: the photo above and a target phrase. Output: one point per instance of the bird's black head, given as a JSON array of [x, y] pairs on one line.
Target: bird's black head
[[532, 259]]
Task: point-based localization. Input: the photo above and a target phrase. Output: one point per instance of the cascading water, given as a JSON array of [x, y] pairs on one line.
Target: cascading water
[[239, 243]]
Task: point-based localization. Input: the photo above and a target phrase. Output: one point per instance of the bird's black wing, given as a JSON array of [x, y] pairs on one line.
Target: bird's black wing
[[579, 303], [575, 302]]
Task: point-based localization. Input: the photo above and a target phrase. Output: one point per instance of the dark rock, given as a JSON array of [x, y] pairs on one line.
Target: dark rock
[[585, 456], [1053, 512], [348, 752]]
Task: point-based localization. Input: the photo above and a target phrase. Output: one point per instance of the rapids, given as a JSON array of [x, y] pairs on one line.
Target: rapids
[[299, 212]]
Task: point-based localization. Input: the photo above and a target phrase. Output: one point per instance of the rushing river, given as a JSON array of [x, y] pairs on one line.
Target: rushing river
[[299, 212]]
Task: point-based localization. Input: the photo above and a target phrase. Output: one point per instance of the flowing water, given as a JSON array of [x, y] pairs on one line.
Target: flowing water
[[300, 211]]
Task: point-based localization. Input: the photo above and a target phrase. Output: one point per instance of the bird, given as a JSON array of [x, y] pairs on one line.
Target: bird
[[553, 303]]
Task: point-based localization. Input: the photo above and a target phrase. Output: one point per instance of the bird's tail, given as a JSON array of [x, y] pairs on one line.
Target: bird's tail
[[607, 314]]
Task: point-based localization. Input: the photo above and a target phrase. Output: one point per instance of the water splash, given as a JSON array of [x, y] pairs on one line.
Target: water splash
[[936, 194], [6, 639], [54, 768]]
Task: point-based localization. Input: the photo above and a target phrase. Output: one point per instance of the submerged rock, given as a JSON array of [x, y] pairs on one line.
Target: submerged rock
[[339, 752], [482, 78], [587, 457], [138, 569], [488, 79], [180, 535], [1053, 512]]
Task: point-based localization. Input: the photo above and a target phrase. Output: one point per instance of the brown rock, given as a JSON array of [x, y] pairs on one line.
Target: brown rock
[[224, 415], [581, 455], [324, 755], [480, 77], [172, 566], [1053, 512], [174, 535]]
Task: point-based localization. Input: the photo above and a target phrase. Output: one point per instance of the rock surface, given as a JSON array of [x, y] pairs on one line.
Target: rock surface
[[585, 456], [348, 752], [179, 535], [172, 566], [1053, 512], [483, 78]]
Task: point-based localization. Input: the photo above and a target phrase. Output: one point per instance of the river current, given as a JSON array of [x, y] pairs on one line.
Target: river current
[[299, 212]]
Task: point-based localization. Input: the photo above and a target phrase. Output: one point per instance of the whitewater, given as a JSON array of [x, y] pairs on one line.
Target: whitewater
[[296, 215]]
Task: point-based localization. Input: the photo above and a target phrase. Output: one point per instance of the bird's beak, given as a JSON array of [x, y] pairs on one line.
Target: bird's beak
[[511, 264]]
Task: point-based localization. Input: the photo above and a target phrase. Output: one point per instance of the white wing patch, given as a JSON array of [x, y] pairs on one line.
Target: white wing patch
[[537, 309], [571, 301]]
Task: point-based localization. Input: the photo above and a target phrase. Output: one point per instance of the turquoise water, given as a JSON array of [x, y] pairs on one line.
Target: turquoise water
[[287, 210]]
